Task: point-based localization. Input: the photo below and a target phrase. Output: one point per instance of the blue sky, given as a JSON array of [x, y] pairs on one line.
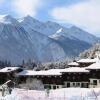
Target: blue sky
[[7, 7], [82, 13]]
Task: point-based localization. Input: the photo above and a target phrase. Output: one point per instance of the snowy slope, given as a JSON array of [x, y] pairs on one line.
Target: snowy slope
[[47, 28], [70, 45], [28, 38], [82, 35], [52, 28], [7, 19], [16, 43], [75, 33], [47, 48]]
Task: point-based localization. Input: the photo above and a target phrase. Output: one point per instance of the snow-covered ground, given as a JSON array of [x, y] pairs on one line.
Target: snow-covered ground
[[60, 94]]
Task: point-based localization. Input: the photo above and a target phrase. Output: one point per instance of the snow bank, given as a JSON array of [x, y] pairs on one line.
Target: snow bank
[[60, 94]]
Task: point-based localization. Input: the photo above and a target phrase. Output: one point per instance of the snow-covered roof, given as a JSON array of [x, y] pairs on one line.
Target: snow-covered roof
[[26, 73], [39, 73], [8, 69], [75, 69], [73, 64], [88, 60], [51, 72], [94, 66]]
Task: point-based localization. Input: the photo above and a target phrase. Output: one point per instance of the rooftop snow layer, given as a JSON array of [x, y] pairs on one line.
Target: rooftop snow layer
[[94, 66], [51, 71], [75, 70], [73, 64], [88, 60], [9, 69], [35, 73]]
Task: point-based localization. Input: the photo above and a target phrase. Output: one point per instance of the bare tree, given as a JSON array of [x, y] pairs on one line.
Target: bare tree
[[32, 84]]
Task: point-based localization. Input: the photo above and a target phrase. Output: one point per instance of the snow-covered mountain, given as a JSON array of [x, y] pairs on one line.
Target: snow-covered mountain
[[28, 38], [52, 28], [81, 34], [47, 28], [7, 19], [16, 43]]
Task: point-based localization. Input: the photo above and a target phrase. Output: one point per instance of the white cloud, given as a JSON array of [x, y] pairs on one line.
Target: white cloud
[[84, 14], [26, 7]]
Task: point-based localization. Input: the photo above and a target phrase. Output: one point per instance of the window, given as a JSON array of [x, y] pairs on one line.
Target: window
[[73, 77], [77, 84], [68, 77], [54, 87], [47, 86], [57, 86], [73, 84], [68, 84], [82, 85], [94, 82]]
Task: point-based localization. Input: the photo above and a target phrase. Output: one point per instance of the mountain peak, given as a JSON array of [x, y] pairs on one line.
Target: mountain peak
[[28, 18], [7, 19], [75, 27], [3, 16], [52, 23]]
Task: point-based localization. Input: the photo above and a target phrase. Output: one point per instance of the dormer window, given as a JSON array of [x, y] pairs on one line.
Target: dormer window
[[8, 69]]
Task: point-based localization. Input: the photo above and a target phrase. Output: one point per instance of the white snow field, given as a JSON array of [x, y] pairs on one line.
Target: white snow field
[[59, 94]]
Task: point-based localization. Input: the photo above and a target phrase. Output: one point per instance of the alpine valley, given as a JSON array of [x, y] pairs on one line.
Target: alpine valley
[[28, 38]]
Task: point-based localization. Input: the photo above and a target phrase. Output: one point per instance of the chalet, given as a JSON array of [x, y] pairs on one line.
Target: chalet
[[87, 62], [83, 73], [75, 77], [94, 76], [8, 73], [51, 78], [58, 78]]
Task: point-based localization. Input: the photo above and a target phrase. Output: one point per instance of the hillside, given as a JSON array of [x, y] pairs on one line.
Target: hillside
[[28, 38], [93, 52]]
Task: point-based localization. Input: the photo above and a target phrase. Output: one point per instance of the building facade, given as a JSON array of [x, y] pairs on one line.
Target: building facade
[[84, 73]]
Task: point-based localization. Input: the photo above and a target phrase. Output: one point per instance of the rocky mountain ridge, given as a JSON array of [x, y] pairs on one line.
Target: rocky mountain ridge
[[28, 38]]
